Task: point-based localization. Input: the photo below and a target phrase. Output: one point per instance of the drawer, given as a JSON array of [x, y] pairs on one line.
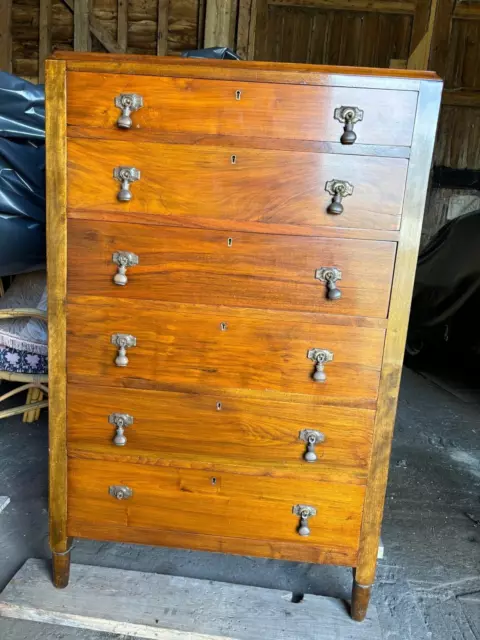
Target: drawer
[[188, 347], [226, 504], [231, 268], [216, 107], [210, 431], [201, 183]]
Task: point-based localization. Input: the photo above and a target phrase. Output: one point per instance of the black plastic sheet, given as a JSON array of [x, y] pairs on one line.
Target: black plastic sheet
[[22, 175], [217, 53]]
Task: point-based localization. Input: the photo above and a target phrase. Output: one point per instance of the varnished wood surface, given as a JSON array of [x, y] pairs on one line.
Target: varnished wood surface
[[263, 110], [226, 504], [282, 144], [416, 191], [264, 186], [183, 348], [56, 192], [233, 269], [258, 436]]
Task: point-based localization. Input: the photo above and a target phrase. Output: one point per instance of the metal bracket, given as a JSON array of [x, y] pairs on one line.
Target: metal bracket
[[121, 421], [127, 102], [340, 187], [123, 341], [120, 492], [123, 259], [312, 438], [304, 512]]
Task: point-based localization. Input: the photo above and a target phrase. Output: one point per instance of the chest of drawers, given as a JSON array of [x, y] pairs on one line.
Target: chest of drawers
[[231, 256]]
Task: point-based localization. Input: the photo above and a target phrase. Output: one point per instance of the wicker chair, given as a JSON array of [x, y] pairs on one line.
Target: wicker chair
[[35, 384]]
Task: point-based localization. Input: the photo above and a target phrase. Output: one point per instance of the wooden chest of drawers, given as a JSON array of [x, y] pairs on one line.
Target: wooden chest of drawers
[[231, 257]]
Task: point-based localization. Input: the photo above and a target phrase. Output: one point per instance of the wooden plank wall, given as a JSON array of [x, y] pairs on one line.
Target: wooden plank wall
[[134, 26]]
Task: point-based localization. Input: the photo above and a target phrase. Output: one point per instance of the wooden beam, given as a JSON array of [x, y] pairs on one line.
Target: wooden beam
[[461, 98], [440, 49], [6, 35], [98, 31], [44, 36], [467, 11], [378, 6], [220, 23], [201, 24], [81, 30], [122, 24], [420, 55], [162, 27], [245, 16]]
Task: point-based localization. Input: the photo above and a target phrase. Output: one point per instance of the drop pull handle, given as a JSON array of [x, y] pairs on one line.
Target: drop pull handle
[[128, 103], [348, 116], [320, 357], [120, 492], [120, 421], [125, 175], [339, 189], [312, 438], [123, 341], [123, 260], [304, 512], [330, 276]]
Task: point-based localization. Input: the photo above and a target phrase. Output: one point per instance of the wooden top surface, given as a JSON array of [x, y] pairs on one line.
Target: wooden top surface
[[132, 63]]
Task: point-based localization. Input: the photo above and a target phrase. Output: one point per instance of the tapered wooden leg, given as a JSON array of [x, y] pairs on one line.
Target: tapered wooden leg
[[61, 569], [360, 599]]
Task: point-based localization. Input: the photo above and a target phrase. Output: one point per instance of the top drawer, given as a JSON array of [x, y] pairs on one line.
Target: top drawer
[[254, 109]]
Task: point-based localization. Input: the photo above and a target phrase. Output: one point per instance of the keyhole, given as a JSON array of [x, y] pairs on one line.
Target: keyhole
[[214, 481], [219, 406], [234, 159], [223, 326], [238, 94], [229, 242]]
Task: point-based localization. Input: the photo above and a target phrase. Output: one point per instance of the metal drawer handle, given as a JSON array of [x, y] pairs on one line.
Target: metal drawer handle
[[125, 175], [121, 421], [123, 341], [330, 276], [120, 492], [127, 102], [123, 259], [312, 438], [320, 357], [304, 512], [348, 116], [338, 189]]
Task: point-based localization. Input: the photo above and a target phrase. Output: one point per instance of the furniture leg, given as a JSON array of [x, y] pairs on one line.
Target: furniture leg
[[360, 598], [61, 566], [29, 416]]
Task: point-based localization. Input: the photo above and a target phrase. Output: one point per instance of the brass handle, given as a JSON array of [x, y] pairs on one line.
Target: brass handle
[[120, 492], [123, 259], [348, 116], [121, 421], [312, 438], [127, 102], [304, 512], [330, 276], [320, 357], [338, 189], [125, 175], [123, 341]]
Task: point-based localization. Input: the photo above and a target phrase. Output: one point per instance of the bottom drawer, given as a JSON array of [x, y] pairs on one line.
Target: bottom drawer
[[226, 505]]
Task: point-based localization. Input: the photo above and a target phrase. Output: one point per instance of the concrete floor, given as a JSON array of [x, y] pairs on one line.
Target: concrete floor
[[431, 529]]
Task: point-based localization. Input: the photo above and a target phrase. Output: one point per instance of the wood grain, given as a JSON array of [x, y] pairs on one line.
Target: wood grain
[[6, 35], [261, 186], [417, 182], [185, 430], [233, 269], [264, 109], [56, 161], [196, 502], [183, 348]]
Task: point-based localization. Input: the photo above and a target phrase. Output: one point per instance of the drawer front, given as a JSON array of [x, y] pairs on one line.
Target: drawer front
[[262, 110], [232, 269], [186, 347], [227, 504], [201, 183], [188, 429]]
